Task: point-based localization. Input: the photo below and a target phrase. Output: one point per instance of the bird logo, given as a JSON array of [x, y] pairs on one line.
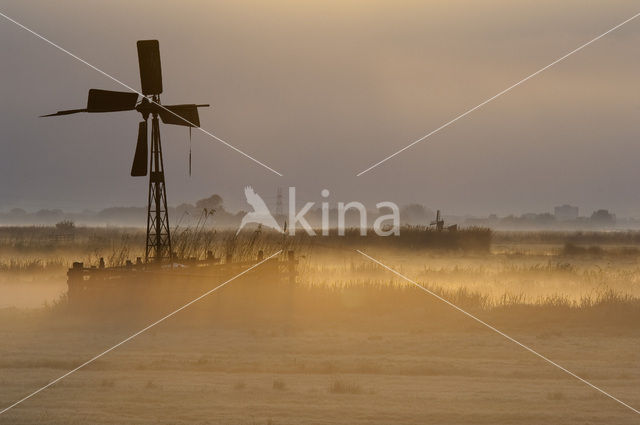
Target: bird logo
[[260, 213]]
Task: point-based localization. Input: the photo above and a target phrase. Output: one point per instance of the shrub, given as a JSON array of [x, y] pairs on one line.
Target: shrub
[[340, 386]]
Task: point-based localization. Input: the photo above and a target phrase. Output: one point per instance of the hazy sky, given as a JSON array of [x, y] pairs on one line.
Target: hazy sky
[[320, 90]]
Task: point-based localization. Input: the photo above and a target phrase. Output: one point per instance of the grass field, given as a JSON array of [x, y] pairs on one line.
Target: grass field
[[350, 343]]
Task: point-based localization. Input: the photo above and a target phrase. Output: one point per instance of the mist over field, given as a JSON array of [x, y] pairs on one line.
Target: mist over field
[[212, 212], [347, 341], [161, 161]]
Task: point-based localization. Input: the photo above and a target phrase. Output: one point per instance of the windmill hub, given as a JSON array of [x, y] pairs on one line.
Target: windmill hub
[[145, 108], [158, 245]]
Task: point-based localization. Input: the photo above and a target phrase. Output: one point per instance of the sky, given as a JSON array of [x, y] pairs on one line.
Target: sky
[[321, 90]]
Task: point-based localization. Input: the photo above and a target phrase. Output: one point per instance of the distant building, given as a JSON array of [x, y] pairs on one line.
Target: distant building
[[566, 212], [603, 217]]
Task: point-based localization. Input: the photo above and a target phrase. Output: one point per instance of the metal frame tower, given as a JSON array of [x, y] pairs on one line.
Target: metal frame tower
[[158, 246], [158, 243]]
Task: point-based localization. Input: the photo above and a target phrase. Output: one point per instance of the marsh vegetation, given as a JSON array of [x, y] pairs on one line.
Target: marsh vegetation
[[347, 343]]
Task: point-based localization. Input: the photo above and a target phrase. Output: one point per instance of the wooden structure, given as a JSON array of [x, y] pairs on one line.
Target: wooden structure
[[148, 283]]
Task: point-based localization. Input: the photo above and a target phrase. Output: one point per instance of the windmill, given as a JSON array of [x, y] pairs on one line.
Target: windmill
[[438, 222], [158, 243]]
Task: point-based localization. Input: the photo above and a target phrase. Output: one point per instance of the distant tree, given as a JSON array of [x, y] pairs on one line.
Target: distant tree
[[545, 218], [65, 226], [212, 202]]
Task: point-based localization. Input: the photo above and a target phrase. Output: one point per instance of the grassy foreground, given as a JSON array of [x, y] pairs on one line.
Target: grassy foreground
[[349, 343]]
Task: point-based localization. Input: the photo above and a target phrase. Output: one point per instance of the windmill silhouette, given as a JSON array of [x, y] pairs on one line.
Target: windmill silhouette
[[438, 222], [158, 243]]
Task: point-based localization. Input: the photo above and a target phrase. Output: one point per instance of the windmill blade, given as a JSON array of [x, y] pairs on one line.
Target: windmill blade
[[67, 112], [139, 167], [186, 115], [104, 101], [111, 101], [150, 69]]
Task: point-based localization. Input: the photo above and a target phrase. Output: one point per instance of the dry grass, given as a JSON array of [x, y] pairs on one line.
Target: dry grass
[[332, 374], [279, 385], [340, 386], [348, 343]]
